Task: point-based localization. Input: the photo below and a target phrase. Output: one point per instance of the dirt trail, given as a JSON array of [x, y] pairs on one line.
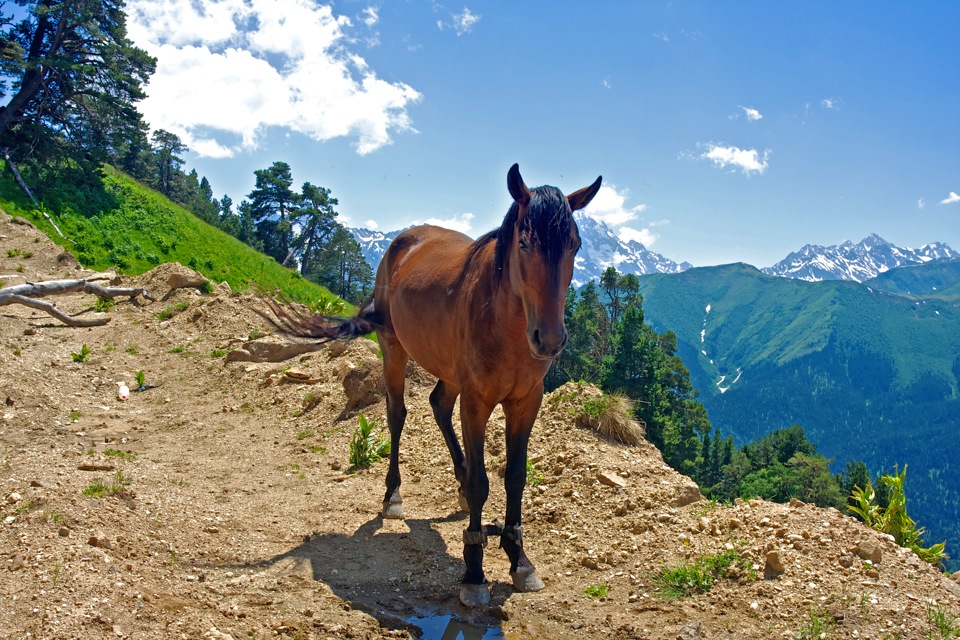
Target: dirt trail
[[231, 514]]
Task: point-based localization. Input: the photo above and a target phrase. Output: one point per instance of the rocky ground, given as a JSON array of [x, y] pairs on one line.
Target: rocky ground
[[218, 503]]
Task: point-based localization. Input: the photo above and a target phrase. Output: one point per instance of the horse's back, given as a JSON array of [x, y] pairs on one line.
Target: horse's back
[[425, 254]]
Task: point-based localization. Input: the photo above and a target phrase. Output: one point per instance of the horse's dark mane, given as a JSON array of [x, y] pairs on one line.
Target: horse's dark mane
[[548, 220]]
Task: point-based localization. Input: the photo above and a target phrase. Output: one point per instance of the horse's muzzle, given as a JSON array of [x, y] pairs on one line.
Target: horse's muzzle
[[547, 345]]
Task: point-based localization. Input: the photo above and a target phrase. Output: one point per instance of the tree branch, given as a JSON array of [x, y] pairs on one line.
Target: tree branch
[[26, 295]]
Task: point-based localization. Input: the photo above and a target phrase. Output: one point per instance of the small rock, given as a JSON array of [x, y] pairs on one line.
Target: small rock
[[873, 574], [692, 631], [17, 563], [63, 532], [212, 529], [14, 498], [773, 566], [846, 560], [99, 539], [611, 479], [687, 493], [869, 550], [36, 484]]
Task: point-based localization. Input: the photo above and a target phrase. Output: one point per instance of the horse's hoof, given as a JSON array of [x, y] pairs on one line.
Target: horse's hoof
[[462, 501], [393, 510], [525, 580], [473, 595]]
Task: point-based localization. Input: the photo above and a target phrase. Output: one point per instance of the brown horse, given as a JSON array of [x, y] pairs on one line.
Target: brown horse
[[486, 318]]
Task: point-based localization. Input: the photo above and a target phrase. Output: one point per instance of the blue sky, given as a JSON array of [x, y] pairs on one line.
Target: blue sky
[[734, 131]]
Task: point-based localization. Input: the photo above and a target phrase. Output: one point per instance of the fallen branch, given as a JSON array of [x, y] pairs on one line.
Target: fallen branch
[[26, 295]]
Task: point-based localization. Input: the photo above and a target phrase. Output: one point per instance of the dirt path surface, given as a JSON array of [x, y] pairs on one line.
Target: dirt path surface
[[230, 513]]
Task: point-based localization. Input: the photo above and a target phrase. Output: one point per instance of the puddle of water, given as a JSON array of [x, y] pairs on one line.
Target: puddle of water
[[449, 628]]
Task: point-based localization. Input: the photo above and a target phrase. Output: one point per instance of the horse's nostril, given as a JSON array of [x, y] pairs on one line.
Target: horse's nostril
[[536, 337]]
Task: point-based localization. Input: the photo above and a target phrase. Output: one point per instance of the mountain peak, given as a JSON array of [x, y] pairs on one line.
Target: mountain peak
[[601, 248], [847, 261]]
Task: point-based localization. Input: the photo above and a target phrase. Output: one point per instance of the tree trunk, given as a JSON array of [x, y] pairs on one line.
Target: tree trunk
[[26, 295]]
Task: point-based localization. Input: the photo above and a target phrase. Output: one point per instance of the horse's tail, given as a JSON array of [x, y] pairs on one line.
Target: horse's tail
[[288, 319]]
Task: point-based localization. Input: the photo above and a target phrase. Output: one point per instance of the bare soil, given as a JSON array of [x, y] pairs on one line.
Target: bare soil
[[232, 512]]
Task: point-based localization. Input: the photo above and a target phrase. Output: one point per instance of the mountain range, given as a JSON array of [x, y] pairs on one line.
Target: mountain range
[[602, 248], [870, 370]]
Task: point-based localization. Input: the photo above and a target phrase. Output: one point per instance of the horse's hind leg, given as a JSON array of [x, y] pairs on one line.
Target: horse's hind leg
[[520, 418], [394, 374], [442, 399]]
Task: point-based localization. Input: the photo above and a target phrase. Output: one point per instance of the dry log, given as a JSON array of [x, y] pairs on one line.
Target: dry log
[[27, 293]]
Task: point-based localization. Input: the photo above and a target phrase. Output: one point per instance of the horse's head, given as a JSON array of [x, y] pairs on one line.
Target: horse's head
[[537, 246]]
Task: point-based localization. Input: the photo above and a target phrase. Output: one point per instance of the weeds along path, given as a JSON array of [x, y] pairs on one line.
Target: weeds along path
[[218, 503]]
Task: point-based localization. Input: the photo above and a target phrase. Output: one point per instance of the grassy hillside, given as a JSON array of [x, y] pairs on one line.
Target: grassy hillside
[[937, 280], [140, 229], [870, 375]]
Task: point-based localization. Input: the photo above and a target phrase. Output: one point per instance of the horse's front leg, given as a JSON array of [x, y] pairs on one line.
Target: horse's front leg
[[520, 417], [474, 414]]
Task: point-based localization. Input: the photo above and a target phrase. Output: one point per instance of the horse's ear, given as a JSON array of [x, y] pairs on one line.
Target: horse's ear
[[580, 199], [518, 190]]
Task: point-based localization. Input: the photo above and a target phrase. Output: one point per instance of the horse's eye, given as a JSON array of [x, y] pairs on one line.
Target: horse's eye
[[523, 245]]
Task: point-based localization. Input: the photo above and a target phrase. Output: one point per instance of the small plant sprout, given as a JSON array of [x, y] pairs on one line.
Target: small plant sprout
[[597, 591], [365, 447], [83, 355], [141, 379]]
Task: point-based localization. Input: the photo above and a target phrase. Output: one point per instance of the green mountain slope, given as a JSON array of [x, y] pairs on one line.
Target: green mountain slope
[[870, 375], [139, 229], [939, 280]]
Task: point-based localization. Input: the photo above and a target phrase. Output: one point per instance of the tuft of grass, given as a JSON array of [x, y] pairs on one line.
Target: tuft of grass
[[534, 476], [305, 433], [75, 415], [943, 625], [365, 447], [141, 379], [172, 310], [611, 415], [83, 355], [697, 576], [817, 627], [123, 455], [597, 591], [16, 351], [104, 305], [101, 489], [218, 353], [132, 350]]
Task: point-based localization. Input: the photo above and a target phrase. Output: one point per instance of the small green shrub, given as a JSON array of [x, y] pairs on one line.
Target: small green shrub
[[943, 625], [597, 591], [817, 627], [894, 519], [698, 576], [141, 379], [123, 455], [534, 476], [132, 350], [365, 447], [83, 355], [103, 305]]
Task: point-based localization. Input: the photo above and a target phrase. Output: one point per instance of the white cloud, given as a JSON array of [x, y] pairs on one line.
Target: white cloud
[[747, 160], [831, 103], [462, 223], [662, 37], [373, 225], [229, 69], [461, 23], [609, 206], [752, 114], [951, 199], [921, 203], [643, 236], [371, 16]]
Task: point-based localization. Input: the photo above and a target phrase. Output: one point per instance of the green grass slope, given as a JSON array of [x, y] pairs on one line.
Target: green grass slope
[[142, 229], [934, 280], [871, 375]]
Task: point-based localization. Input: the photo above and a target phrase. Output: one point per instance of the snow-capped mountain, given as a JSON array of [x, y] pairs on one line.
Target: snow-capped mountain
[[871, 256], [601, 248]]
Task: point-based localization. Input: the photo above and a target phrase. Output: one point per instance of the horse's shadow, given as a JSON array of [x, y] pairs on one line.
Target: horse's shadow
[[395, 575]]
